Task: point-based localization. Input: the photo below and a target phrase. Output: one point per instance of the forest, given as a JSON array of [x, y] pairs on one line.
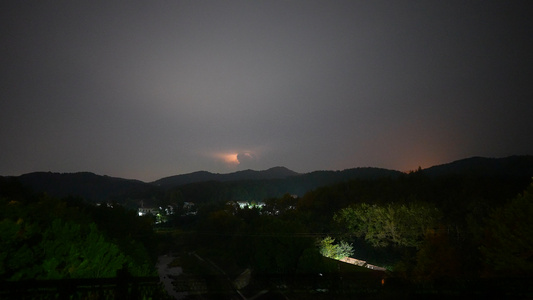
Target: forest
[[452, 233]]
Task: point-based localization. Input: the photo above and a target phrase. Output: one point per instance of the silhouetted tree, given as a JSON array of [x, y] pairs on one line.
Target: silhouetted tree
[[508, 243]]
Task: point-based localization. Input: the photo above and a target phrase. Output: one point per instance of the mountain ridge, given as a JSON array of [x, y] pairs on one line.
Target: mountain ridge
[[100, 188], [510, 166], [199, 176], [88, 185]]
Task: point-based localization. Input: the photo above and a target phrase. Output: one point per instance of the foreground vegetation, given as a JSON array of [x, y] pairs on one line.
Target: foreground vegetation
[[450, 234], [48, 238]]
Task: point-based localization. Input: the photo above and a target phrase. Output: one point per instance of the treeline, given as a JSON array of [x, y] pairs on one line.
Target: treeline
[[422, 228], [450, 226], [257, 190], [43, 237], [194, 187]]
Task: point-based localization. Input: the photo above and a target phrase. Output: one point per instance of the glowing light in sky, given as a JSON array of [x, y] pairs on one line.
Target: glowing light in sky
[[234, 158], [229, 158]]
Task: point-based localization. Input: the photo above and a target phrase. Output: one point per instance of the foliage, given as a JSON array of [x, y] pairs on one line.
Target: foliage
[[335, 251], [278, 246], [436, 258], [46, 238], [17, 256], [383, 225], [132, 234], [441, 226], [279, 206], [508, 242], [62, 250], [74, 252]]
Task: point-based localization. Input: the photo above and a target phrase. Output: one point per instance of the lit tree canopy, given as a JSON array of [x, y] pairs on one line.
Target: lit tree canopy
[[392, 224], [335, 251]]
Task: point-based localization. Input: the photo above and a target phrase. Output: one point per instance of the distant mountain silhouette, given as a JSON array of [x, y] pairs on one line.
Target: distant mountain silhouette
[[250, 184], [272, 182], [360, 173], [508, 167], [203, 176], [92, 187], [259, 189]]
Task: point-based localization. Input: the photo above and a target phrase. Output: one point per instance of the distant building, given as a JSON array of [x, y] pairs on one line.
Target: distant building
[[169, 210], [148, 210], [189, 209], [245, 204]]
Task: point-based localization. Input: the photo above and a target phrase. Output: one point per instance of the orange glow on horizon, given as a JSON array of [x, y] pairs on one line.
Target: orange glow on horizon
[[415, 163]]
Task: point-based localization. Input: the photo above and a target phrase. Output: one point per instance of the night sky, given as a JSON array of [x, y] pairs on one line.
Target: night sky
[[148, 89]]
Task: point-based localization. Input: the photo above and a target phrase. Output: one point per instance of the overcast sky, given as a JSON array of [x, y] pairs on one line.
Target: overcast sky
[[148, 89]]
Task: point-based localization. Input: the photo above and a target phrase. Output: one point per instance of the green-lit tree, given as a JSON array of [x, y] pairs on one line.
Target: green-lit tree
[[73, 252], [335, 251], [18, 256], [47, 238], [392, 224]]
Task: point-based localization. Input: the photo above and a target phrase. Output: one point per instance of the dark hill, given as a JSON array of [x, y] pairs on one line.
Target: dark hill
[[257, 185], [203, 176], [92, 187], [327, 177], [259, 189], [507, 167]]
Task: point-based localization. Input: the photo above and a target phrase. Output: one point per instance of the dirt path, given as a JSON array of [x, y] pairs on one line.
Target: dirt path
[[166, 275]]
